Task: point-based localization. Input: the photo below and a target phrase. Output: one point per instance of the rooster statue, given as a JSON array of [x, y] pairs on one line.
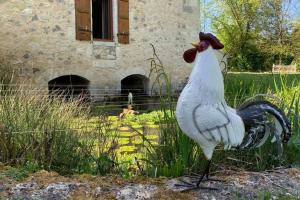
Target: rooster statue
[[204, 116]]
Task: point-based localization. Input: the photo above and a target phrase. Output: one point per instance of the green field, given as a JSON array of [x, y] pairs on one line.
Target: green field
[[260, 81], [240, 86]]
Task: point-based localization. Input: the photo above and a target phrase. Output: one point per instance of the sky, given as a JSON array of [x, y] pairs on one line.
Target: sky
[[295, 10]]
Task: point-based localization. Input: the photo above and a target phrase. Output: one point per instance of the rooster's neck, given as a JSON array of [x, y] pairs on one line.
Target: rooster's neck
[[206, 78]]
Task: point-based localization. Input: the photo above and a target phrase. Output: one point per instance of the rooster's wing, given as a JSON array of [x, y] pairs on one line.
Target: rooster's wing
[[213, 122]]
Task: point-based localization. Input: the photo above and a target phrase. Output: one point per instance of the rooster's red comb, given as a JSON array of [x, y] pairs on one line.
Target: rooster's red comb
[[213, 40], [206, 39]]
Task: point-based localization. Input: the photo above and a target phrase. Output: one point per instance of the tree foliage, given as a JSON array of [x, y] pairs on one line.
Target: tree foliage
[[256, 33], [295, 38]]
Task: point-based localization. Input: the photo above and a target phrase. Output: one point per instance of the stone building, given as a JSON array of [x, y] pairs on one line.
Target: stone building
[[98, 45]]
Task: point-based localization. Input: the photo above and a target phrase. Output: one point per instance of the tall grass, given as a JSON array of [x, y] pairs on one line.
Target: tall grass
[[283, 91], [104, 137], [291, 96], [37, 129], [263, 81], [40, 132], [176, 154], [47, 133], [7, 74]]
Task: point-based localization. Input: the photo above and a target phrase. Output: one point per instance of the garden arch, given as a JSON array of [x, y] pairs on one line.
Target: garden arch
[[136, 84], [69, 86]]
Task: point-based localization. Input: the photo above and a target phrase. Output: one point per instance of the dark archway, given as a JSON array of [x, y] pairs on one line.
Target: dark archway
[[69, 86], [136, 84]]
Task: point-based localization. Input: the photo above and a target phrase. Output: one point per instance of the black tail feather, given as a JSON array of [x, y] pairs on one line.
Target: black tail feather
[[254, 115]]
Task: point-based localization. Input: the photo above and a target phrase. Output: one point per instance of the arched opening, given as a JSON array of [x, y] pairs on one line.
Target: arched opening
[[136, 84], [69, 86]]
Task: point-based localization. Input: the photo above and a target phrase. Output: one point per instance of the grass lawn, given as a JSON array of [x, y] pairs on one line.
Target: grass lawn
[[261, 81]]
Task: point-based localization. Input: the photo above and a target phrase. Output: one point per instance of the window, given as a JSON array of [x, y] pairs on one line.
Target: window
[[102, 19], [100, 13]]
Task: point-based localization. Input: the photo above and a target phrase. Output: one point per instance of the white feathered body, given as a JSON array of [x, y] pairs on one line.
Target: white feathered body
[[202, 112]]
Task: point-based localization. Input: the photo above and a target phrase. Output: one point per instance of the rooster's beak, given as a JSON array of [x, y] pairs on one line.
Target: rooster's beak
[[194, 44]]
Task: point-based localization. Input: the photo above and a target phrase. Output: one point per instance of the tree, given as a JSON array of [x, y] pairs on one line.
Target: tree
[[256, 33], [234, 23], [276, 28], [295, 38]]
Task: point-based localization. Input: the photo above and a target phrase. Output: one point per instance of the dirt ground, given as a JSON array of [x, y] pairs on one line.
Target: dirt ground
[[276, 184]]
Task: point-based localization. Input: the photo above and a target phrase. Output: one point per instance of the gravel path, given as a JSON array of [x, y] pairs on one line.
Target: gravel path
[[235, 185]]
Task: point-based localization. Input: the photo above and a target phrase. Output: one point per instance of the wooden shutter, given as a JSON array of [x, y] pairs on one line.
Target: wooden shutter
[[123, 20], [83, 20]]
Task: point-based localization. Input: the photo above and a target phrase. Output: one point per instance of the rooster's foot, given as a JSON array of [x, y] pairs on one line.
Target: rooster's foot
[[196, 176], [192, 186]]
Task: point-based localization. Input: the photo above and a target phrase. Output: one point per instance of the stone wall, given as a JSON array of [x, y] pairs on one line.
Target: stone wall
[[38, 36]]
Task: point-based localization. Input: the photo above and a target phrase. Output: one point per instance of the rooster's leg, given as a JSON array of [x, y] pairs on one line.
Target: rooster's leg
[[207, 175], [191, 186]]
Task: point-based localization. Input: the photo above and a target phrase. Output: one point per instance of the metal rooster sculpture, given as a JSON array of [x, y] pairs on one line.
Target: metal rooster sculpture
[[204, 116]]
